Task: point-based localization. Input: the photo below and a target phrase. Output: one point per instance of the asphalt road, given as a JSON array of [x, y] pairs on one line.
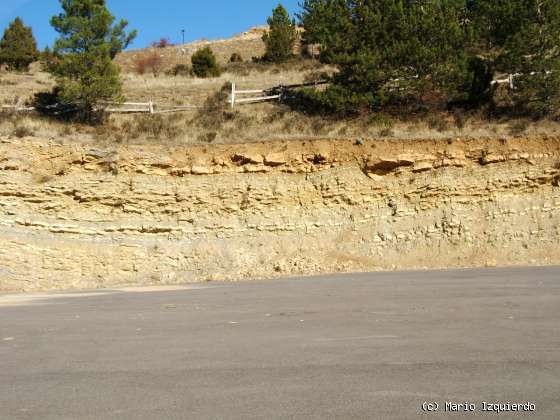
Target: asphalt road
[[364, 346]]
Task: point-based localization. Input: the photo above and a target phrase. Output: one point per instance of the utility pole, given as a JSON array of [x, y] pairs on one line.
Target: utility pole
[[183, 33]]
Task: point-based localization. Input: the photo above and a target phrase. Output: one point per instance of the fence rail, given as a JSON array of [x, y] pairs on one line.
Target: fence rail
[[145, 107], [118, 108], [18, 107], [270, 94]]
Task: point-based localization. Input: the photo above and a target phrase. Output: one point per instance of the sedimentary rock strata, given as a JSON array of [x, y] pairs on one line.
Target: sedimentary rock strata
[[82, 216]]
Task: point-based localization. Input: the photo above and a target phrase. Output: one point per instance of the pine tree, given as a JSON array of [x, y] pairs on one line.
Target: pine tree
[[522, 37], [375, 42], [281, 37], [326, 23], [18, 48], [533, 52], [89, 40]]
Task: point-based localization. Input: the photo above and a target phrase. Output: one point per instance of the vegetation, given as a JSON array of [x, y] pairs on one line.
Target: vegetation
[[281, 37], [18, 48], [236, 58], [390, 58], [179, 70], [204, 63], [532, 50], [162, 43], [388, 51], [89, 40], [151, 62], [403, 55]]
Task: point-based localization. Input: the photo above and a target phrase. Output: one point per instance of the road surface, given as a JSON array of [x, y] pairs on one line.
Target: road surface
[[363, 346]]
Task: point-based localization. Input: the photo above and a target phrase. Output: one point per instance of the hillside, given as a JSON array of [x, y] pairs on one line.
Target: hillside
[[248, 44], [248, 123]]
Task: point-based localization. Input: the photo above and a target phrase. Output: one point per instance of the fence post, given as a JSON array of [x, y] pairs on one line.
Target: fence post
[[511, 81], [232, 96], [151, 107]]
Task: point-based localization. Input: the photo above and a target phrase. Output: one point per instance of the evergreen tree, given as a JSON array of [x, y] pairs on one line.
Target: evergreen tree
[[522, 37], [421, 44], [18, 48], [204, 63], [89, 40], [533, 51], [326, 23], [281, 37]]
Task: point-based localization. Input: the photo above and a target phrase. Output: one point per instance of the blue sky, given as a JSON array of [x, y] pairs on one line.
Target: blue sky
[[155, 19]]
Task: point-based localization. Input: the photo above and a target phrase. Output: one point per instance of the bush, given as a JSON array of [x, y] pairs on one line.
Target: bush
[[151, 62], [156, 126], [22, 131], [179, 70], [215, 111], [204, 63], [53, 105], [438, 123], [18, 48], [236, 58], [335, 100], [162, 43], [518, 128]]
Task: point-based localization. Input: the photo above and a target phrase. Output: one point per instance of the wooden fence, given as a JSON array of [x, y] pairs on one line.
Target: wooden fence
[[18, 108], [237, 96], [120, 108], [277, 92], [144, 107], [270, 94]]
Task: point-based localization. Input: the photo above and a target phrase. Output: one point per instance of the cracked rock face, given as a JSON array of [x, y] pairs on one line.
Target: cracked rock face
[[79, 217]]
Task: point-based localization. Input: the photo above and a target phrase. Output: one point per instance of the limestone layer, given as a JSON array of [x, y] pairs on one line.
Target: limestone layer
[[75, 216]]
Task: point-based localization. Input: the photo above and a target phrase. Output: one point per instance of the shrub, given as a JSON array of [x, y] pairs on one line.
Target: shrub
[[335, 100], [18, 48], [22, 131], [439, 123], [386, 132], [519, 127], [156, 126], [151, 62], [236, 58], [162, 43], [215, 111], [204, 63], [281, 37], [459, 118], [52, 104], [180, 70]]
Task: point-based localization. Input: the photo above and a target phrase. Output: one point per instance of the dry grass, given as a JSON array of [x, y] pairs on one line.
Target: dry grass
[[247, 45], [22, 86], [215, 122]]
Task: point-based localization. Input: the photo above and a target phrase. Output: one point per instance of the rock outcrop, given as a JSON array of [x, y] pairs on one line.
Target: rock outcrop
[[78, 216]]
